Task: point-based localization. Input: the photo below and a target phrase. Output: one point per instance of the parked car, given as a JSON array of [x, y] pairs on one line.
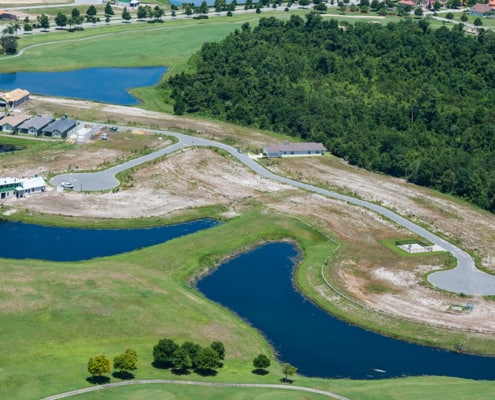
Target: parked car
[[114, 128], [67, 185], [104, 136]]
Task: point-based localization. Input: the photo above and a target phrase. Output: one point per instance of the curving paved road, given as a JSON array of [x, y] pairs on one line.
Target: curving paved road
[[464, 278], [175, 382]]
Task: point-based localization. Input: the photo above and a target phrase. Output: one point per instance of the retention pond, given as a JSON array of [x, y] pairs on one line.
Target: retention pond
[[106, 85], [258, 286]]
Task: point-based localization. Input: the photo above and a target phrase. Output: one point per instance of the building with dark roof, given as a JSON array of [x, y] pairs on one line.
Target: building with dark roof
[[60, 128], [33, 126]]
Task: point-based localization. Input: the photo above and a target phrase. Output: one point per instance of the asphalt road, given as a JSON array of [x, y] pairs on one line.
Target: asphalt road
[[464, 278]]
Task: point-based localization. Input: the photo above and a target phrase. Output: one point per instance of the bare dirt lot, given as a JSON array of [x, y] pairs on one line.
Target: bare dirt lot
[[365, 269]]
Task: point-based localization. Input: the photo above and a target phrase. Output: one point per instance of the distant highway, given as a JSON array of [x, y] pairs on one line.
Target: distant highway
[[464, 278]]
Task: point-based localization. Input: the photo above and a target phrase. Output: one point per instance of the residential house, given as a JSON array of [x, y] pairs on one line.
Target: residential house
[[30, 186], [33, 126], [60, 128], [408, 4], [15, 187], [10, 123], [481, 10], [8, 187], [13, 98], [294, 149]]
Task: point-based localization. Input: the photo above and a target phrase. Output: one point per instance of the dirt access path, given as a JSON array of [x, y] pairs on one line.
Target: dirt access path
[[364, 269]]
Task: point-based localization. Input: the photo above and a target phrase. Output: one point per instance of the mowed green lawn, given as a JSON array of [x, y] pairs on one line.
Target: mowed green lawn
[[54, 316], [137, 44], [431, 388]]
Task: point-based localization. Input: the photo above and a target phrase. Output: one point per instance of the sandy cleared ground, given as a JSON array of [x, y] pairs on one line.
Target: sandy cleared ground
[[365, 269]]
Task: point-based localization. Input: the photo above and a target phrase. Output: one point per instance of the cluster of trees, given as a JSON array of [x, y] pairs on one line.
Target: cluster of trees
[[100, 365], [261, 362], [8, 40], [401, 98], [152, 14], [188, 356], [76, 19]]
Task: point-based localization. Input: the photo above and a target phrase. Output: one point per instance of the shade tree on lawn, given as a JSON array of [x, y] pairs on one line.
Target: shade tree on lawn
[[99, 366], [260, 363]]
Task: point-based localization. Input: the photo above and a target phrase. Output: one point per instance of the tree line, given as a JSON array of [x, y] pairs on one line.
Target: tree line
[[402, 98], [181, 359]]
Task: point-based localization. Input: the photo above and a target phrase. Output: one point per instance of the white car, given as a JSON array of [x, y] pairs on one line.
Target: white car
[[67, 185]]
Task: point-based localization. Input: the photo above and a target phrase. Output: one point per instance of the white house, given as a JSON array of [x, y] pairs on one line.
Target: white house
[[30, 186], [19, 187]]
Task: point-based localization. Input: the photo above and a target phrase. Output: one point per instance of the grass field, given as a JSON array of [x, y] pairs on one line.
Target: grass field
[[54, 316], [431, 388]]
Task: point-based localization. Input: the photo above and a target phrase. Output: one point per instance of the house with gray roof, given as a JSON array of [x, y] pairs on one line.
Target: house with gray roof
[[33, 126], [60, 128], [287, 149]]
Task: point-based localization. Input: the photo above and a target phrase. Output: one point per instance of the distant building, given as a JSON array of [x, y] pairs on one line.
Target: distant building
[[33, 126], [60, 128], [287, 149], [407, 3], [15, 187], [132, 3], [481, 10], [13, 98]]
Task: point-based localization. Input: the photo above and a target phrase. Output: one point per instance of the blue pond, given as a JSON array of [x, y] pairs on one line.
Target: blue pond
[[70, 244], [106, 85], [258, 286]]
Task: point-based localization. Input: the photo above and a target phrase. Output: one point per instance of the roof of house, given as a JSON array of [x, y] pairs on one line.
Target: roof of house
[[280, 148], [407, 3], [14, 95], [481, 8], [32, 183], [37, 122], [60, 125], [8, 181], [14, 120]]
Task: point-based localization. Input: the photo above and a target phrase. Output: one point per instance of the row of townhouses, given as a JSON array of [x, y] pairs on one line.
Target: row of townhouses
[[38, 125]]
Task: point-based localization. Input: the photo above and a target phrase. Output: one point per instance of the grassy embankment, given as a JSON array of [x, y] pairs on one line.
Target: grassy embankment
[[56, 301], [57, 315]]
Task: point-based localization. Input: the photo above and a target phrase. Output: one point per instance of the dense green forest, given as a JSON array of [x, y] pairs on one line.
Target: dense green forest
[[403, 99]]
